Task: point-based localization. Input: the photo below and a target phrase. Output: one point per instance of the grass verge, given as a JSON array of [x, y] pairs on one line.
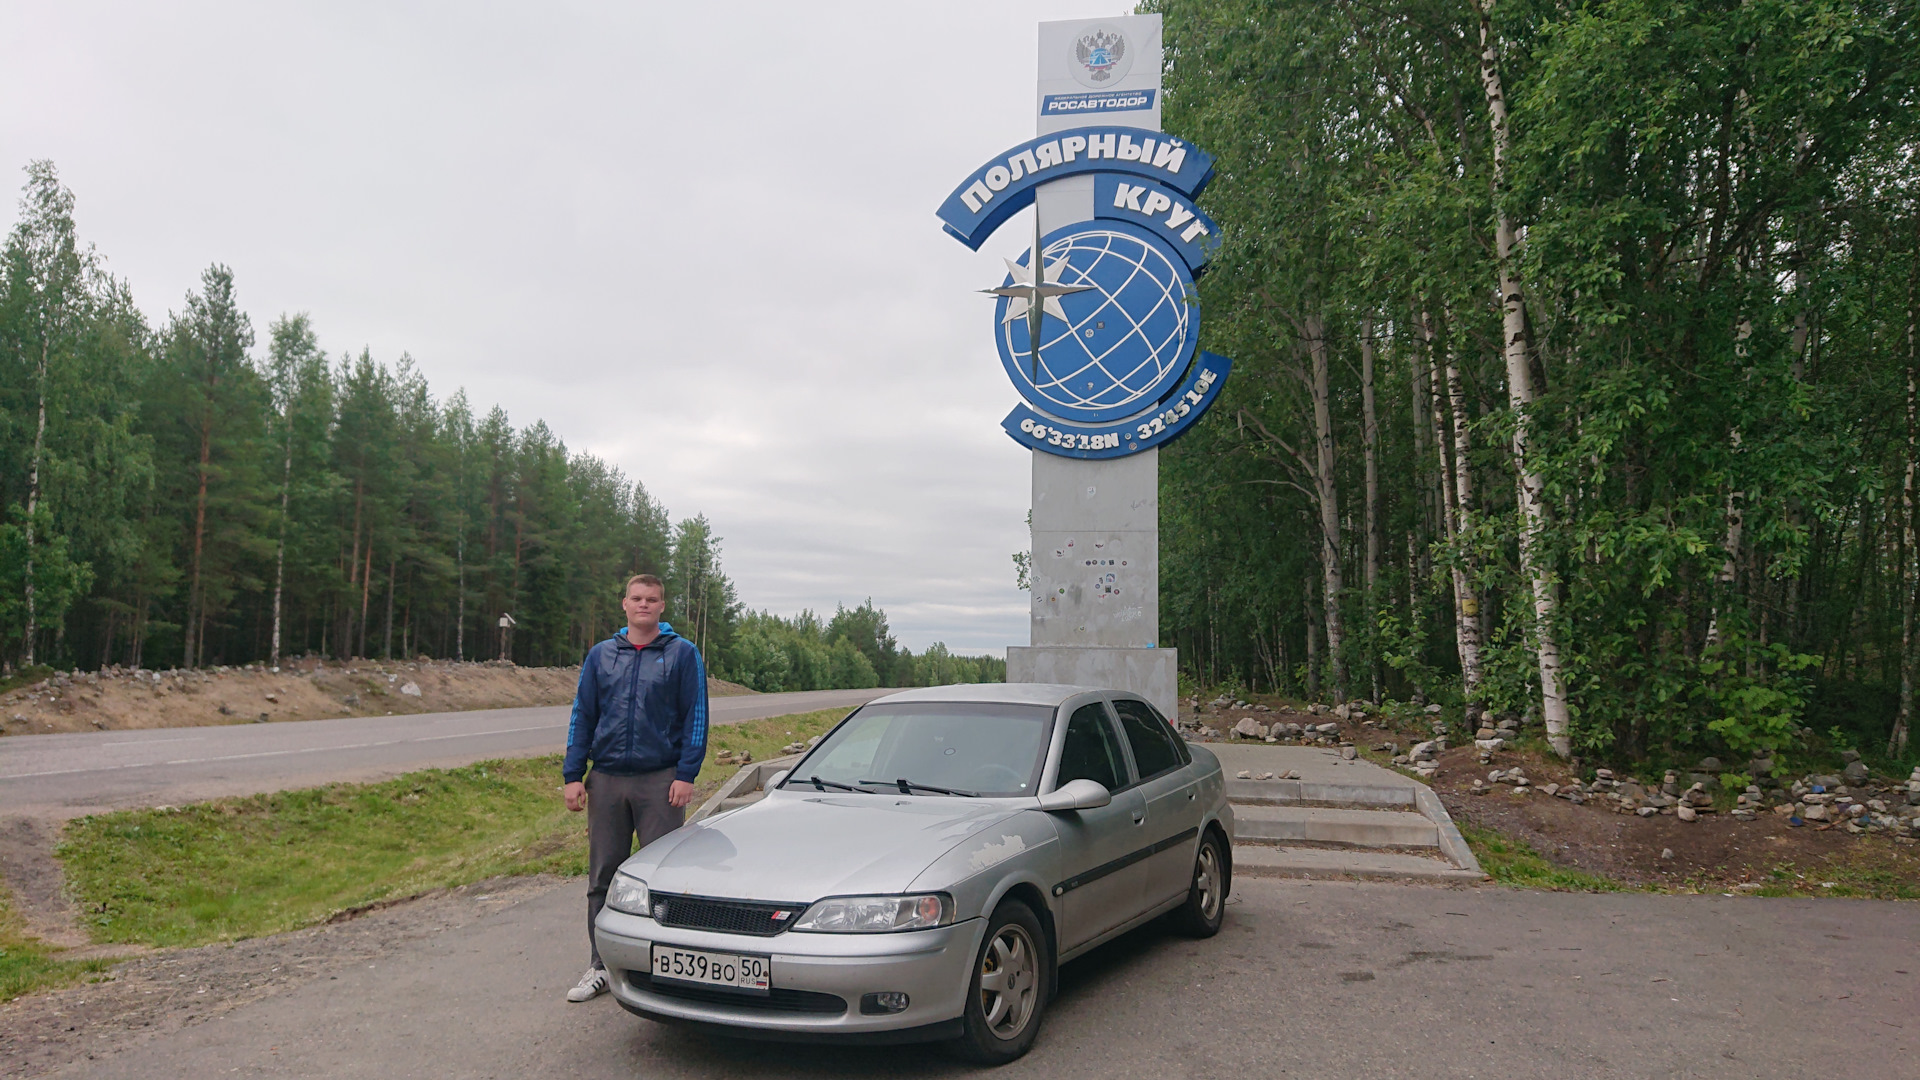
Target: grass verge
[[265, 864], [1870, 869], [1511, 862], [29, 965]]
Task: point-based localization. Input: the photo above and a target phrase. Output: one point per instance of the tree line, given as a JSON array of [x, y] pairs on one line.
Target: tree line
[[187, 495], [1576, 351]]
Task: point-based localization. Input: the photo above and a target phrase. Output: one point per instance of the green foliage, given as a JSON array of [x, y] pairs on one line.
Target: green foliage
[[771, 654], [1718, 254]]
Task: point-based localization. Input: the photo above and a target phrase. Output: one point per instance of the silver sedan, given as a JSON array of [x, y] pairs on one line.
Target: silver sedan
[[922, 873]]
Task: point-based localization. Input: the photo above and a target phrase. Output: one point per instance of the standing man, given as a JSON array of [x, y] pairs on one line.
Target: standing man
[[640, 716]]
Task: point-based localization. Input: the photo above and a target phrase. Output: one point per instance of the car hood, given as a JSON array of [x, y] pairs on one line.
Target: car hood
[[800, 848]]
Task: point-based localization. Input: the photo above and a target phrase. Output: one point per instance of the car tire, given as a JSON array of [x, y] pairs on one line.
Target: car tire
[[1008, 990], [1206, 905]]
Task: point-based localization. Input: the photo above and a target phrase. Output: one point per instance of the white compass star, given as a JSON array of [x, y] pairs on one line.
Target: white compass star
[[1025, 290]]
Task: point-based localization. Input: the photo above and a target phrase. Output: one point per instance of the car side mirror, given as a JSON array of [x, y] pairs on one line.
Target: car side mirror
[[1076, 795], [775, 780]]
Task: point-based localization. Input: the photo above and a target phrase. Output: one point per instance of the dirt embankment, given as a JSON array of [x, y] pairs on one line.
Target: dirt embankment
[[125, 698]]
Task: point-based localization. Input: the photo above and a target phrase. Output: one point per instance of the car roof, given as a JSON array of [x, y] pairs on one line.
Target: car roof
[[1010, 693]]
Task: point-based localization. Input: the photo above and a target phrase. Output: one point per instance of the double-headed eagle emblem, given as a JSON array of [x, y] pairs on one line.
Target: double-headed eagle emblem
[[1098, 52]]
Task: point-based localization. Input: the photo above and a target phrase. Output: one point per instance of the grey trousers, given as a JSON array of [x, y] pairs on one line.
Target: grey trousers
[[618, 809]]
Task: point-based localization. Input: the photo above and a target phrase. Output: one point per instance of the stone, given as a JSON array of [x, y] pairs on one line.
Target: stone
[[1598, 774], [1849, 756], [1485, 733], [1814, 812], [1857, 772], [1743, 815], [1760, 767], [1686, 813], [1422, 751], [1551, 789], [410, 688], [1647, 811], [1328, 729], [1434, 709], [1249, 728], [1632, 790], [1348, 753], [1709, 764], [1666, 853], [1491, 746], [1785, 809]]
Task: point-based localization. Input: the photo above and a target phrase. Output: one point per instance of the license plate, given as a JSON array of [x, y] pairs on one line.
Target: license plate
[[753, 974]]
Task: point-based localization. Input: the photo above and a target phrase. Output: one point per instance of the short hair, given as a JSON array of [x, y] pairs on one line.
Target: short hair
[[644, 579]]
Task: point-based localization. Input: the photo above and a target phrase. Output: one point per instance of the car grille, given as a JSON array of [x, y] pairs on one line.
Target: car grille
[[775, 1000], [758, 918]]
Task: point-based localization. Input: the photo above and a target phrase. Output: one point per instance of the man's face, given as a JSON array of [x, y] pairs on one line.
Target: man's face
[[644, 604]]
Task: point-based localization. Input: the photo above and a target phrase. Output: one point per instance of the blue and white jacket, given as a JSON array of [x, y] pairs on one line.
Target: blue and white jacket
[[639, 710]]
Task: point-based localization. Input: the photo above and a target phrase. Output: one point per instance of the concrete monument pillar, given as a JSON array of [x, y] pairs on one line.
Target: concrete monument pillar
[[1095, 566]]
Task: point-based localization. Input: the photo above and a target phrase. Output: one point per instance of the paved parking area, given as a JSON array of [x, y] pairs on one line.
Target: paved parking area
[[1309, 979]]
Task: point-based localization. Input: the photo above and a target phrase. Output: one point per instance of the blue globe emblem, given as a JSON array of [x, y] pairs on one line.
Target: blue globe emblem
[[1128, 334]]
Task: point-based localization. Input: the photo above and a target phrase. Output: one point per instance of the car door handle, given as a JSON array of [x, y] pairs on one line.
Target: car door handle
[[1139, 816]]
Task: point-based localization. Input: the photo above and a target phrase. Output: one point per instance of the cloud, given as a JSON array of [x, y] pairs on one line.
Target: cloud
[[697, 241]]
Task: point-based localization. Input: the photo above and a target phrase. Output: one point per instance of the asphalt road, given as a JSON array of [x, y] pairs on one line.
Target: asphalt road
[[1307, 979], [71, 774]]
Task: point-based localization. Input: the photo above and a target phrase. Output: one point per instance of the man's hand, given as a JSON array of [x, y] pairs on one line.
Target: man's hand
[[680, 794], [576, 796]]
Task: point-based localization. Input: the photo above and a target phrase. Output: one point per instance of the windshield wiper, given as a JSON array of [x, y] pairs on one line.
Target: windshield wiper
[[907, 787], [822, 785]]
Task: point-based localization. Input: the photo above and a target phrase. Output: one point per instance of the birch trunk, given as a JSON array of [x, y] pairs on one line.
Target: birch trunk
[[1456, 498], [1328, 495], [1903, 720], [1520, 396], [192, 647], [1371, 443], [33, 502], [280, 550]]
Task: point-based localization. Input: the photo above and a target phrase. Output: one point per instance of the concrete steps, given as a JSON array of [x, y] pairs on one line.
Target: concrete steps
[[1335, 817], [1264, 860], [1328, 825]]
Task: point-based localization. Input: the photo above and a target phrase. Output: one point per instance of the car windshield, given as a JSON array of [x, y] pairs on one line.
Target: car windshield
[[969, 748]]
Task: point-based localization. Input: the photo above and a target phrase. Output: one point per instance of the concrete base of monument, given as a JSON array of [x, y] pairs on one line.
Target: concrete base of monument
[[1302, 811], [1151, 673]]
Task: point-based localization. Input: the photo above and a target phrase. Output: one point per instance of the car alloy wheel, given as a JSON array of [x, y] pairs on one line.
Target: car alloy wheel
[[1206, 905], [1007, 987], [1206, 882], [1009, 981]]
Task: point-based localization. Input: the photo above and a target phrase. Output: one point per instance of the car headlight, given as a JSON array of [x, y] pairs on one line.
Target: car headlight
[[877, 914], [628, 894]]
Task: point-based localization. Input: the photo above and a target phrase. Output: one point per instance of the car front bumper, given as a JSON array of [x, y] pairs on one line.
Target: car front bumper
[[811, 973]]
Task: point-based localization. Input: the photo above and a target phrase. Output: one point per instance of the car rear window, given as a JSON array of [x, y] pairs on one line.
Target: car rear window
[[1154, 748]]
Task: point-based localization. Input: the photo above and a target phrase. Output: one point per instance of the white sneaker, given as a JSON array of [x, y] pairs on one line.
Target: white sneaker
[[591, 985]]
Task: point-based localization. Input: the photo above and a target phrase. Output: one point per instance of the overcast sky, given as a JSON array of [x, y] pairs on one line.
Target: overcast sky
[[696, 239]]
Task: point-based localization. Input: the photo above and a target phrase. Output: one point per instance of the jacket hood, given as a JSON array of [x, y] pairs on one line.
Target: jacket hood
[[800, 847], [666, 634]]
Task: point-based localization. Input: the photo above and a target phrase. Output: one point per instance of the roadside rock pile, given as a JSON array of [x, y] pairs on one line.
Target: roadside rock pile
[[1279, 731], [1423, 758]]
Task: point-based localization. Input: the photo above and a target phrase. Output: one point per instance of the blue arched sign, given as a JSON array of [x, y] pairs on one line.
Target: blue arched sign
[[1099, 328]]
